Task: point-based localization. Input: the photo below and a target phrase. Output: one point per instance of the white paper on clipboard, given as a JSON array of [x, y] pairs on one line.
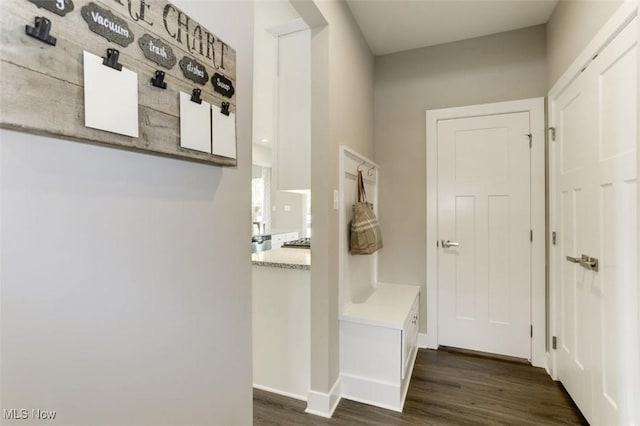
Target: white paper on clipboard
[[110, 97], [195, 124], [223, 133]]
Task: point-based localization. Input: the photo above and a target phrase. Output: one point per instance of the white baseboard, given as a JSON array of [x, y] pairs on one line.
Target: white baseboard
[[324, 404], [378, 393], [372, 392], [550, 367], [423, 341], [279, 392]]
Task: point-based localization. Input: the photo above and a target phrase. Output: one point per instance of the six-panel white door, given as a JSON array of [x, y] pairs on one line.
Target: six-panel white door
[[484, 283], [594, 180]]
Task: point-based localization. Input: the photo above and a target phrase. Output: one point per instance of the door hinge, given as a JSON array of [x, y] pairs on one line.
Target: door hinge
[[554, 238], [531, 235], [531, 330], [554, 342], [530, 136], [553, 133]]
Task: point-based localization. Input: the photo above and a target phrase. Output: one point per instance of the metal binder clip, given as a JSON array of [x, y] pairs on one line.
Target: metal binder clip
[[195, 96], [41, 30], [224, 108], [158, 81], [111, 60]]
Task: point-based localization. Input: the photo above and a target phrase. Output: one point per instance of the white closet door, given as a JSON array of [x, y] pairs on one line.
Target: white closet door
[[596, 205], [614, 73], [574, 146]]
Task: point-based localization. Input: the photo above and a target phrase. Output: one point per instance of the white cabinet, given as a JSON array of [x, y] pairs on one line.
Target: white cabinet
[[277, 240], [378, 346], [281, 330], [292, 145]]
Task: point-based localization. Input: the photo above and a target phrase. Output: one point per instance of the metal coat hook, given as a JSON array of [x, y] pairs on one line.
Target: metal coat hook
[[370, 170]]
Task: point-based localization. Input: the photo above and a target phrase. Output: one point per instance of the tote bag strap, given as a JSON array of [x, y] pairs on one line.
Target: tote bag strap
[[362, 195]]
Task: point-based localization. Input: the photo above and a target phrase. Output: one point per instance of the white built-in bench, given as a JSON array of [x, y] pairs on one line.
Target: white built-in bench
[[378, 346], [378, 321]]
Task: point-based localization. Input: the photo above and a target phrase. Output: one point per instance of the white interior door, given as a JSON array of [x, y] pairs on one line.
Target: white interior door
[[577, 321], [594, 180], [484, 282]]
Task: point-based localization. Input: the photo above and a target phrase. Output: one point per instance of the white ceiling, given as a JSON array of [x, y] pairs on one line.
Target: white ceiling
[[395, 25]]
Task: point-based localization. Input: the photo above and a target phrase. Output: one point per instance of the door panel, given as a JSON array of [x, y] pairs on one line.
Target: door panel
[[573, 152], [465, 284], [493, 150], [484, 206], [499, 236]]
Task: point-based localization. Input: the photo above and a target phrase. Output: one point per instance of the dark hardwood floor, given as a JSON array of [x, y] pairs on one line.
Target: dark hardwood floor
[[447, 388]]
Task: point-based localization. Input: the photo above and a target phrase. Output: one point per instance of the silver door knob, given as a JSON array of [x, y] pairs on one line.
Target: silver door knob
[[449, 243]]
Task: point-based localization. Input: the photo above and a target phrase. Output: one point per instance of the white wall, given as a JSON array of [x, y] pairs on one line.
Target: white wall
[[262, 156], [494, 68], [125, 281], [268, 14], [571, 27]]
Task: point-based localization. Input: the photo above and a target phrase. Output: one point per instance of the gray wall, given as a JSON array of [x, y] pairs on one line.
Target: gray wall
[[342, 113], [495, 68], [125, 281], [351, 80], [572, 26]]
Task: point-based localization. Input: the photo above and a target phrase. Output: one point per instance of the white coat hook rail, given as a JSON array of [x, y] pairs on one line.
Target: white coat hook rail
[[370, 170]]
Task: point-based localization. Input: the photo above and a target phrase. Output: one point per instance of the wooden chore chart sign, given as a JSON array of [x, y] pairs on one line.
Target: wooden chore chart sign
[[136, 74]]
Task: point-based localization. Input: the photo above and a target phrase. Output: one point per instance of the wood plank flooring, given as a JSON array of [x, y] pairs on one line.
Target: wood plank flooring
[[447, 388]]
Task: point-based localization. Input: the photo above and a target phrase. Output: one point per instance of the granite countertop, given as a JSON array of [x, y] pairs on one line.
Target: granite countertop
[[287, 258]]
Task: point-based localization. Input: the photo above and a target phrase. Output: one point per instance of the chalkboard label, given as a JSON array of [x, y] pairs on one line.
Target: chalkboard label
[[222, 85], [59, 7], [157, 51], [194, 70], [103, 22]]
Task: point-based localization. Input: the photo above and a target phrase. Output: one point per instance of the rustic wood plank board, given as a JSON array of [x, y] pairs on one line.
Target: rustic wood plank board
[[159, 132], [43, 85]]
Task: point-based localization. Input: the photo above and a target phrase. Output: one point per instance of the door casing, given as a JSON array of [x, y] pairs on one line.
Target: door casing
[[535, 107]]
